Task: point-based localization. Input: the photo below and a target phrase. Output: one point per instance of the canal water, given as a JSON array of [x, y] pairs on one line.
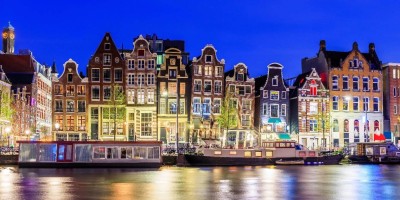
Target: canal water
[[267, 182]]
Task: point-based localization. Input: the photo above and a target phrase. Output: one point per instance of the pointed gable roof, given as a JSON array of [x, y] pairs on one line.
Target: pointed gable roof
[[107, 39]]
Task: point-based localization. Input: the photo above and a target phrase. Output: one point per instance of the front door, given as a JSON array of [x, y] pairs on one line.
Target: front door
[[64, 153]]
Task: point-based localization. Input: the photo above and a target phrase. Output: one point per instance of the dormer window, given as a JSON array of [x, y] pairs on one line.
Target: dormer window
[[240, 77], [141, 52], [275, 81], [356, 63], [208, 58]]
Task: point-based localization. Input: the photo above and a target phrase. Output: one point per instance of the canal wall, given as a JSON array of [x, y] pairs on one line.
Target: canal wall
[[8, 159]]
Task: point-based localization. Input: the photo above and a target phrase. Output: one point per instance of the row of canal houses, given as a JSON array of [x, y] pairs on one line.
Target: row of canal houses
[[338, 99]]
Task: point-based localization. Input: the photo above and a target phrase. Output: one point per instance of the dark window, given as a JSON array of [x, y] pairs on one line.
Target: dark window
[[107, 75], [69, 78], [240, 77], [248, 89], [118, 74], [107, 46], [208, 58], [141, 52], [95, 74]]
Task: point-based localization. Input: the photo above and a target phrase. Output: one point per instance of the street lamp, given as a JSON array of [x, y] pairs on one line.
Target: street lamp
[[8, 129], [57, 126], [27, 132]]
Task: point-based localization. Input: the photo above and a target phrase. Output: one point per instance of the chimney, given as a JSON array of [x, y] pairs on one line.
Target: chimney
[[322, 45], [371, 48]]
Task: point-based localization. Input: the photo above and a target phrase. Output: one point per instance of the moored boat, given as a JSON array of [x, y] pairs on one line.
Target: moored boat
[[268, 154], [71, 154], [373, 153]]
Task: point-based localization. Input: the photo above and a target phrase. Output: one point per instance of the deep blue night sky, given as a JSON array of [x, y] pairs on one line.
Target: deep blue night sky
[[255, 33]]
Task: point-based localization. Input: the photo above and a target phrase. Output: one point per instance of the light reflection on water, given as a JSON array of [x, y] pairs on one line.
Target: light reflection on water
[[269, 182]]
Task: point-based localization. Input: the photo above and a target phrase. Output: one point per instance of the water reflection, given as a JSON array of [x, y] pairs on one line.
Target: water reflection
[[270, 182]]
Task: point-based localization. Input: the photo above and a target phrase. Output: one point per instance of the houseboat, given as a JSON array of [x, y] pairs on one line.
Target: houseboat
[[59, 154], [373, 153], [271, 153]]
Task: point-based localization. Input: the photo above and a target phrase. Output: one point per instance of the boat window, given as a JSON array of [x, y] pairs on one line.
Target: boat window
[[311, 153], [232, 152], [27, 152], [282, 144], [47, 152], [99, 152], [382, 150], [268, 154], [247, 154], [288, 145], [112, 153], [258, 153], [139, 152], [217, 152], [302, 154], [369, 151], [153, 152], [292, 144], [272, 145], [82, 153], [126, 152]]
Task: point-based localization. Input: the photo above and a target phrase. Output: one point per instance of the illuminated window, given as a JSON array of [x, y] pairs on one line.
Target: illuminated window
[[335, 83], [196, 105], [313, 125], [146, 124], [274, 95]]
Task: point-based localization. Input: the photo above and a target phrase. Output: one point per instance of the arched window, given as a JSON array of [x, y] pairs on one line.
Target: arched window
[[356, 126], [376, 126], [335, 125], [346, 125]]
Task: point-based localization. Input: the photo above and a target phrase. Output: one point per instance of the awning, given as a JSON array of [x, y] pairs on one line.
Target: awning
[[274, 120], [388, 135], [379, 137], [284, 136]]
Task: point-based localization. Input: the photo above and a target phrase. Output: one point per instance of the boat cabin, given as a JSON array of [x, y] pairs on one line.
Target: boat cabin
[[89, 154], [373, 149]]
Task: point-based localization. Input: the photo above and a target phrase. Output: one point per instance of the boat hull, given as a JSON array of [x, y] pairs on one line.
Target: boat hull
[[87, 165], [198, 160], [374, 160]]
